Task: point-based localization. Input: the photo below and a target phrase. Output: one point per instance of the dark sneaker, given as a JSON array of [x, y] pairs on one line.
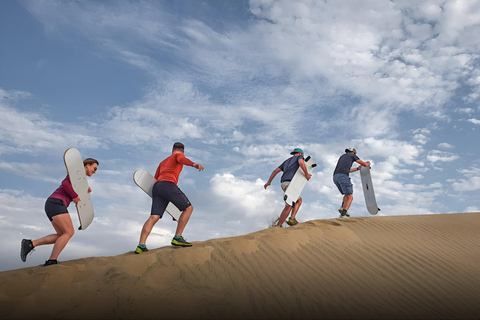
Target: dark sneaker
[[26, 248], [50, 262], [346, 215], [140, 250], [181, 242]]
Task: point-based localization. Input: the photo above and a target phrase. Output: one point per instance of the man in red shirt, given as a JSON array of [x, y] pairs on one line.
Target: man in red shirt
[[165, 190]]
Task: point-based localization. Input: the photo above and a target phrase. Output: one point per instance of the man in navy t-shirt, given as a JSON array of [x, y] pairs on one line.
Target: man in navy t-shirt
[[289, 167], [342, 180]]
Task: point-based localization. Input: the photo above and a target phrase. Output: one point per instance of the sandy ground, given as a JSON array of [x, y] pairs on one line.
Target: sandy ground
[[396, 267]]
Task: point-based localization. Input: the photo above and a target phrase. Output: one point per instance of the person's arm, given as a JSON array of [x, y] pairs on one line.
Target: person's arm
[[274, 173], [187, 162], [361, 164], [198, 166], [301, 162], [67, 186]]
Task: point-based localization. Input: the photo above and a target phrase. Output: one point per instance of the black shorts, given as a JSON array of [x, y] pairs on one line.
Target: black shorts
[[164, 192], [54, 207]]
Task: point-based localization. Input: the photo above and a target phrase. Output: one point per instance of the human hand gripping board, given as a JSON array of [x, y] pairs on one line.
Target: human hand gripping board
[[298, 182], [76, 172], [368, 191], [145, 181]]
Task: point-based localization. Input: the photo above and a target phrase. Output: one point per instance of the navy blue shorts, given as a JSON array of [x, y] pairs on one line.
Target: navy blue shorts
[[343, 183], [164, 192], [54, 207]]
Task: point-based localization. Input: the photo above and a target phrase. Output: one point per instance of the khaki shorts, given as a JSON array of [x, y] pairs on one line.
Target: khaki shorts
[[285, 185]]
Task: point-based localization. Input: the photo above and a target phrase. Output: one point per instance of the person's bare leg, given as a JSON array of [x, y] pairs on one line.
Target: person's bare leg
[[64, 227], [347, 201], [284, 215], [51, 238], [183, 220], [147, 228], [296, 207]]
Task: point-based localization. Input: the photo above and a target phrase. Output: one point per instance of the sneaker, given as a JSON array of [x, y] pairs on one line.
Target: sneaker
[[292, 222], [340, 210], [346, 215], [181, 242], [50, 262], [140, 250], [26, 248]]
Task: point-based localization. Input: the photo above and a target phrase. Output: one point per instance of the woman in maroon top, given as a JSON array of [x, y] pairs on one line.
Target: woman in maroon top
[[56, 210]]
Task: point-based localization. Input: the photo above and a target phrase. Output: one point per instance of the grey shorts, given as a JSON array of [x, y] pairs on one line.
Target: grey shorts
[[164, 192]]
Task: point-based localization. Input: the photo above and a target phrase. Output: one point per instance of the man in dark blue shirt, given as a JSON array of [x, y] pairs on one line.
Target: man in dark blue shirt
[[342, 180], [289, 167]]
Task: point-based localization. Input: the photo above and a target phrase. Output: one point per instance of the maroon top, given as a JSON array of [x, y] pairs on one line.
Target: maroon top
[[65, 192]]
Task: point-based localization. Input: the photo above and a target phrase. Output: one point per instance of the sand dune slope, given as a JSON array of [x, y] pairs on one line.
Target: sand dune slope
[[405, 267]]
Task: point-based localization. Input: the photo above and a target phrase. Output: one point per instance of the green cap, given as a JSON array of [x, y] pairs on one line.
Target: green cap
[[297, 150]]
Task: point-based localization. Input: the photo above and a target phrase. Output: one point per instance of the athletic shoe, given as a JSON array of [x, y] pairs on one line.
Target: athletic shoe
[[346, 215], [26, 248], [140, 250], [181, 242], [343, 212], [50, 262], [340, 210], [292, 222]]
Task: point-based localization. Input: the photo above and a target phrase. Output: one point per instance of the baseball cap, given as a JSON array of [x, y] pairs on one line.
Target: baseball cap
[[351, 150], [297, 150]]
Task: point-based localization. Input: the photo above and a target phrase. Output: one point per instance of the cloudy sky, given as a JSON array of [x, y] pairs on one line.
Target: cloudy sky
[[240, 83]]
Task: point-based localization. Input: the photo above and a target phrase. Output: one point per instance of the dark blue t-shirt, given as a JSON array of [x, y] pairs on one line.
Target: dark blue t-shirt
[[289, 167], [344, 163]]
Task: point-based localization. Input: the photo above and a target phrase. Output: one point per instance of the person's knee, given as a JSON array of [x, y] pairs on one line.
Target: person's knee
[[69, 232], [154, 218], [189, 209]]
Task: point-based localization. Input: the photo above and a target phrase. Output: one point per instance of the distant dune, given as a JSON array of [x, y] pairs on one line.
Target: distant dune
[[396, 267]]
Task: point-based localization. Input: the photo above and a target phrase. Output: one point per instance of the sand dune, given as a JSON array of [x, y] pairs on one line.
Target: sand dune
[[398, 267]]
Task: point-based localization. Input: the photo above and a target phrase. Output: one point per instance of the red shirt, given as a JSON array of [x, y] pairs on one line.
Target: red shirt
[[170, 168], [65, 192]]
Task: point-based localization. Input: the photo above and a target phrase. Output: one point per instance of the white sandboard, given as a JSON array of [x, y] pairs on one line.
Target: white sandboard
[[298, 182], [368, 191], [78, 178], [145, 181]]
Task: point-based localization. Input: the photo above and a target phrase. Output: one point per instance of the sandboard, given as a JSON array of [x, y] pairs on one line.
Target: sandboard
[[145, 181], [368, 191], [76, 172], [298, 182]]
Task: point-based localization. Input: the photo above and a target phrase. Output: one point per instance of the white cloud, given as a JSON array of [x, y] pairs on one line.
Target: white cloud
[[29, 132], [470, 184], [474, 121], [445, 145], [249, 198], [472, 209], [421, 135], [437, 155]]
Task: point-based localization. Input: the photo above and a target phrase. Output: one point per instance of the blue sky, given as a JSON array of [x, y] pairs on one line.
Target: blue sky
[[240, 83]]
